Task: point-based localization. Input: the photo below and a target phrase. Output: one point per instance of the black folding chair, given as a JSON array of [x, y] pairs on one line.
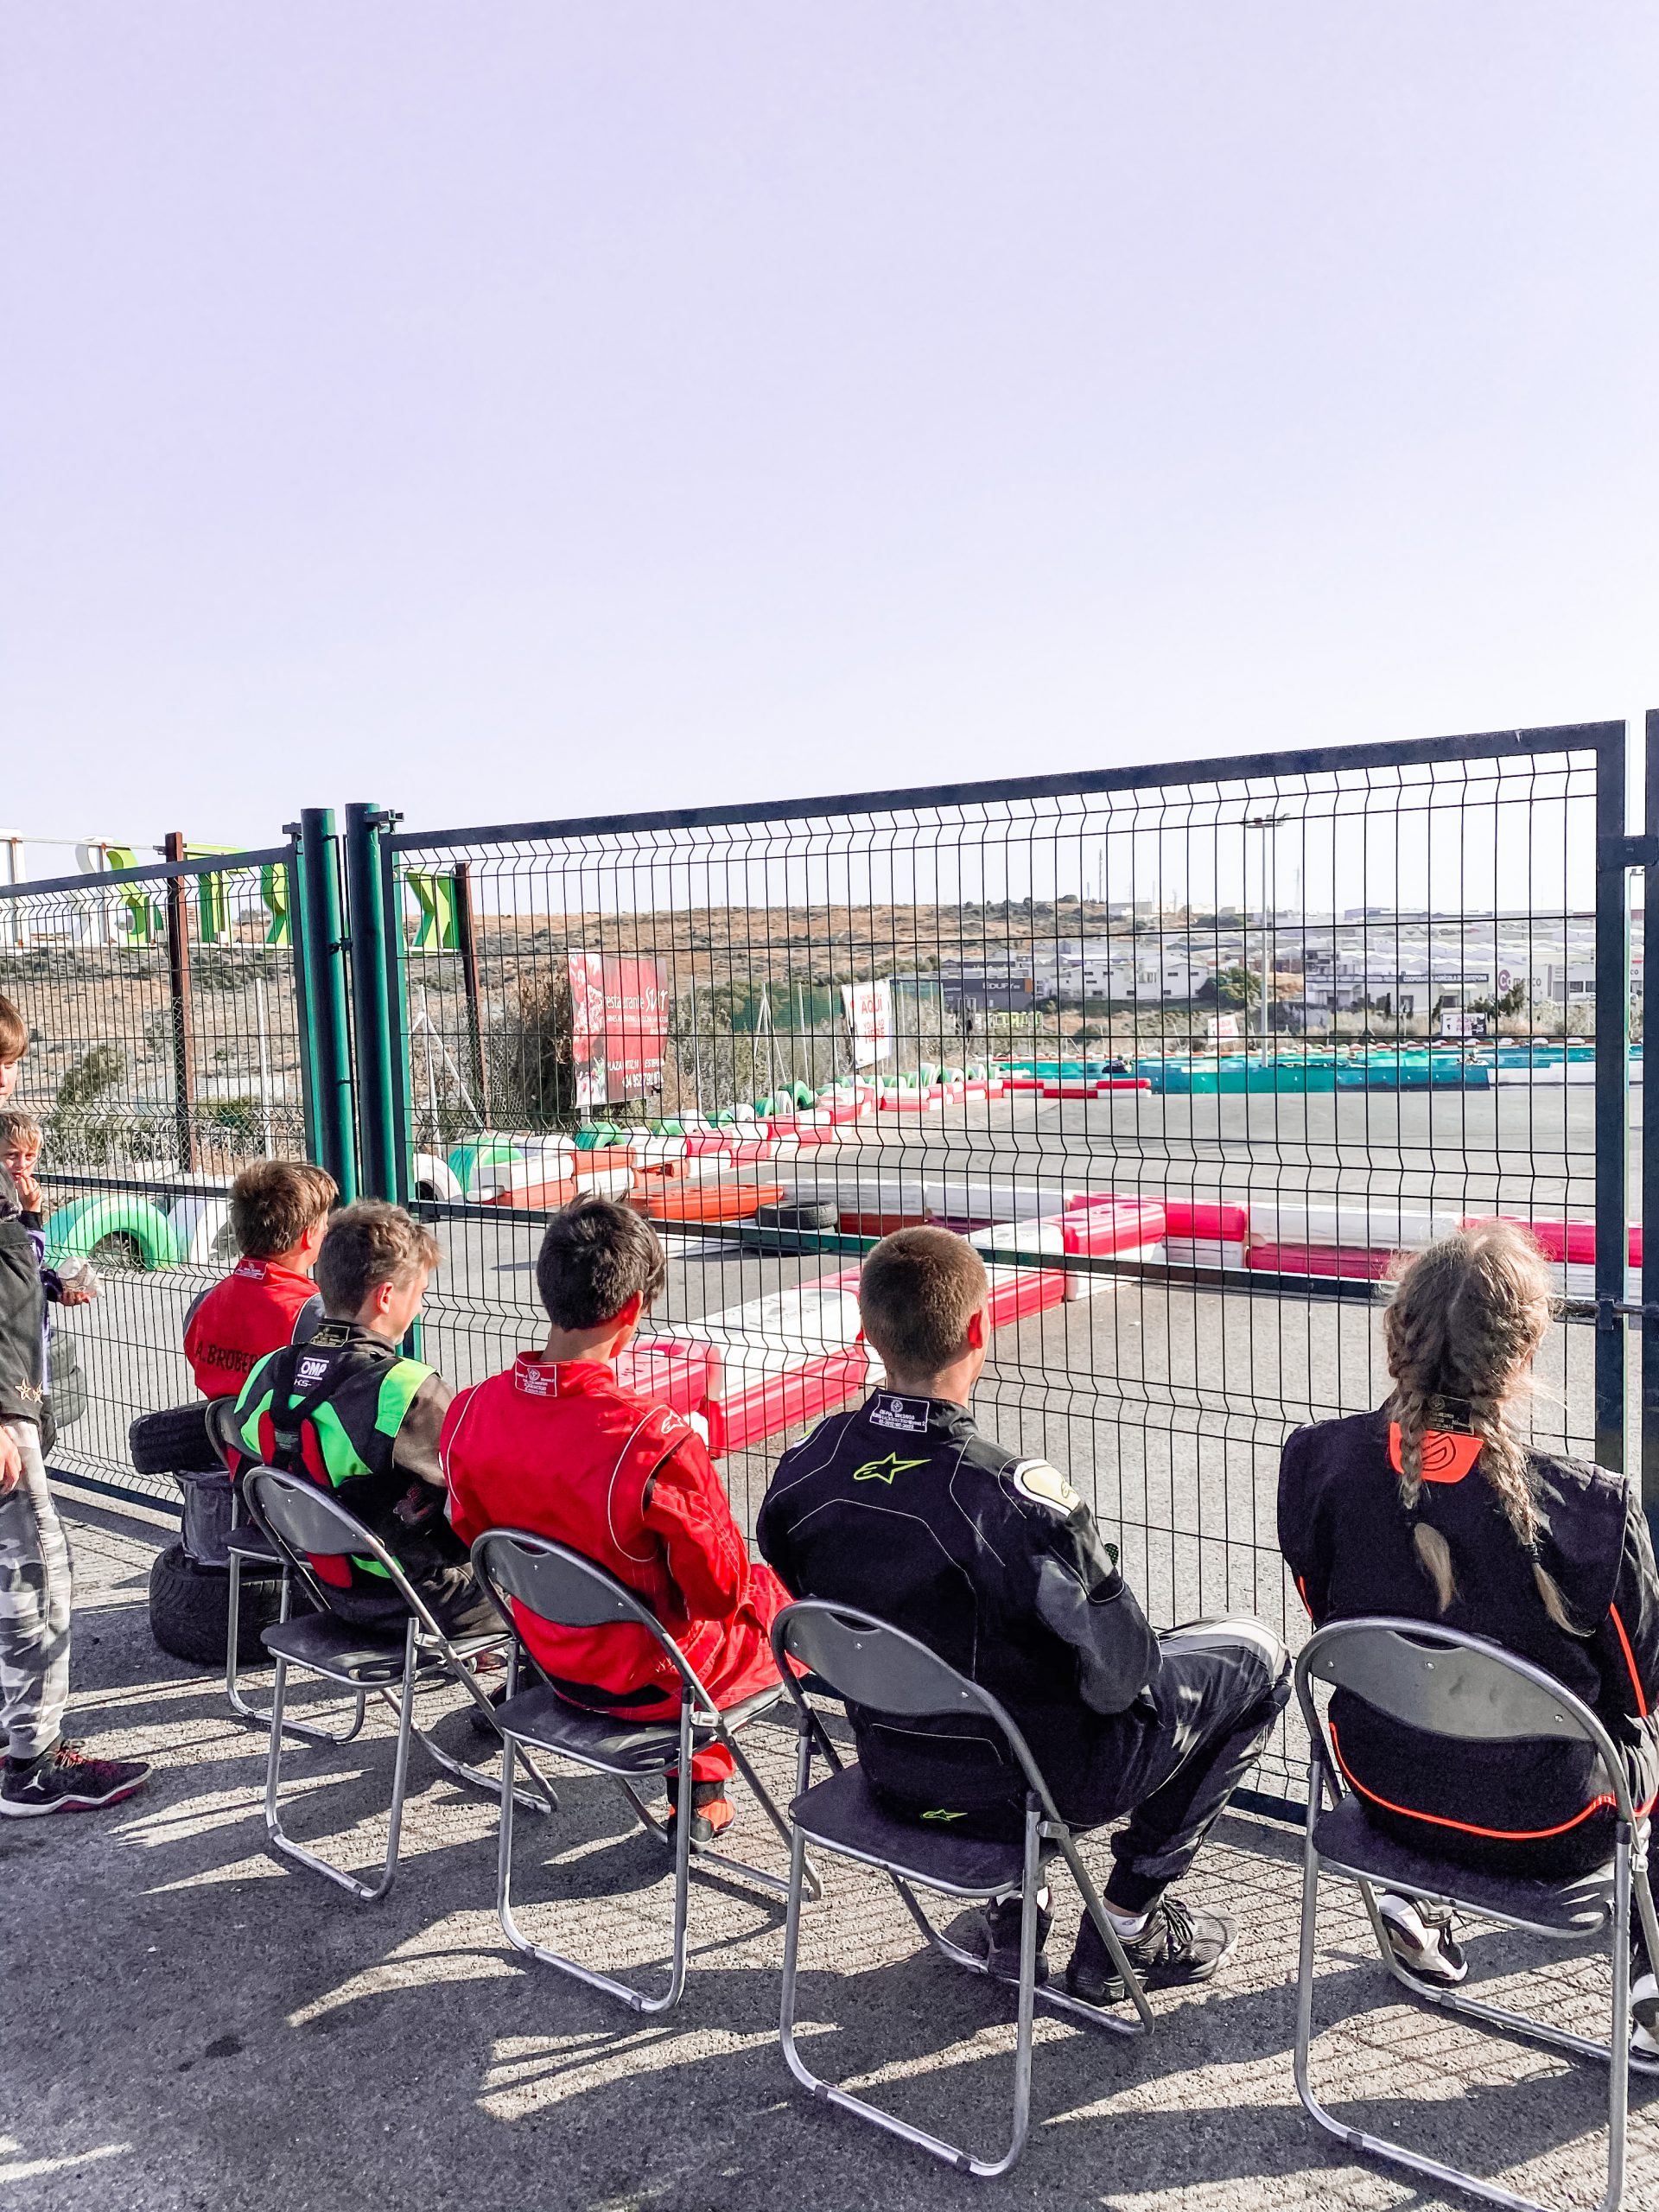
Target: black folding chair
[[1467, 1690], [247, 1545], [870, 1663], [302, 1521], [559, 1585]]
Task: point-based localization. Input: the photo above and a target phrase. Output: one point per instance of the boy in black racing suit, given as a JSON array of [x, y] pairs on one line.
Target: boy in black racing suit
[[904, 1510]]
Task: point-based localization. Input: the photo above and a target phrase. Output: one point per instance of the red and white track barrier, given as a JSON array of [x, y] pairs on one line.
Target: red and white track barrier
[[1206, 1236], [1357, 1262], [1125, 1229], [1015, 1290]]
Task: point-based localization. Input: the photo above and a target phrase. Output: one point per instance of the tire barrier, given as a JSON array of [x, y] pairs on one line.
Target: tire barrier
[[76, 1230]]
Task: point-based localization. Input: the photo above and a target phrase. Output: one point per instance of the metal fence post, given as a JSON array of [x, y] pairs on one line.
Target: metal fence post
[[319, 945], [402, 1089], [184, 1043], [376, 1117], [1613, 1079], [296, 944], [1649, 1322]]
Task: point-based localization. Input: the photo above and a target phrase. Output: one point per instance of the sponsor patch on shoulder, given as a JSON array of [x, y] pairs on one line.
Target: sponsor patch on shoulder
[[1046, 1484], [311, 1370], [888, 1410]]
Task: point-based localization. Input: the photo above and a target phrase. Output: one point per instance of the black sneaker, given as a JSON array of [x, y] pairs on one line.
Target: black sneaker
[[1177, 1945], [496, 1697], [995, 1934], [66, 1781], [712, 1811], [1421, 1938]]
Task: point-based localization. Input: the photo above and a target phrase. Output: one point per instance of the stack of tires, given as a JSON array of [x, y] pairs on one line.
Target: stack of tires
[[190, 1581]]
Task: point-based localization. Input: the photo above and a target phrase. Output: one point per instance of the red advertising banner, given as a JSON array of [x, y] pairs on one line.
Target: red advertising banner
[[620, 1009]]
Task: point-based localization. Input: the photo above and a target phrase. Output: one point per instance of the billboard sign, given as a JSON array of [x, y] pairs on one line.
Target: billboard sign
[[869, 1018], [620, 1008]]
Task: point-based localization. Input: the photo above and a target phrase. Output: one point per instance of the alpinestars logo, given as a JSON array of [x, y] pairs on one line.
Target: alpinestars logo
[[883, 1470]]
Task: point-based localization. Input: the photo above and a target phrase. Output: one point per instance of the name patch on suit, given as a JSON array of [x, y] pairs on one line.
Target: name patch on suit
[[888, 1410]]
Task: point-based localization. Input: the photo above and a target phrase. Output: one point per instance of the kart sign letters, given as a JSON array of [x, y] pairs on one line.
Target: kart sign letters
[[620, 1008]]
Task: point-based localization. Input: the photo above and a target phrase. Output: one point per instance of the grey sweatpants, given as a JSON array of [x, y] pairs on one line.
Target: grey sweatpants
[[33, 1607]]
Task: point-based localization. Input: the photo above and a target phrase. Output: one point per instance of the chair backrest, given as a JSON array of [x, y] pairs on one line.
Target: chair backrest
[[1446, 1683], [305, 1518], [559, 1585], [556, 1583], [876, 1664]]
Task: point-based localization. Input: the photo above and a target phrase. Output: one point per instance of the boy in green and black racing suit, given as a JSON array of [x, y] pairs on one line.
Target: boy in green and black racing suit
[[347, 1409]]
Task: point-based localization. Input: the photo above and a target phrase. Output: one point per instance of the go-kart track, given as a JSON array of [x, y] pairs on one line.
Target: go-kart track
[[1159, 1371]]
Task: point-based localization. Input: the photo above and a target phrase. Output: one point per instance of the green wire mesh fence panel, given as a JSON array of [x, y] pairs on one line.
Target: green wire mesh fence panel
[[165, 1044], [1192, 1054]]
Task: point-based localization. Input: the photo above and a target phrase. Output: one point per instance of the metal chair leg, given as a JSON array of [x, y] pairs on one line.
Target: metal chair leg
[[279, 1841], [636, 2000], [949, 2153], [1613, 2054], [305, 1729], [545, 1800], [1052, 2000]]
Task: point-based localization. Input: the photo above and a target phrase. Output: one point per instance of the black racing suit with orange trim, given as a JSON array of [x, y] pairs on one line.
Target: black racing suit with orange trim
[[903, 1508], [1348, 1541]]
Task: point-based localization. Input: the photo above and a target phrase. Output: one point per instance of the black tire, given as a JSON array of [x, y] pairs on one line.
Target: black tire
[[190, 1610], [798, 1215], [174, 1442]]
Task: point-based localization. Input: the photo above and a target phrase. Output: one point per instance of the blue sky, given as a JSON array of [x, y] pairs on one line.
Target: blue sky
[[513, 411]]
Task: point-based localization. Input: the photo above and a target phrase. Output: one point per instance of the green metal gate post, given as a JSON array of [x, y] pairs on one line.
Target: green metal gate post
[[371, 1008], [402, 1084], [320, 961]]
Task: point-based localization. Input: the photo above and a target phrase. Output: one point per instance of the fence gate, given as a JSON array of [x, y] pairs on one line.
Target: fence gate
[[1289, 1013]]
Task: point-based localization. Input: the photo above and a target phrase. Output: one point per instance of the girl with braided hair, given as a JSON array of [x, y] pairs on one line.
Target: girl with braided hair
[[1434, 1507]]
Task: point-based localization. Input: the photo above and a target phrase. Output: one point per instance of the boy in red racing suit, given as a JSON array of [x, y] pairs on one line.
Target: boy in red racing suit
[[279, 1211], [557, 1447]]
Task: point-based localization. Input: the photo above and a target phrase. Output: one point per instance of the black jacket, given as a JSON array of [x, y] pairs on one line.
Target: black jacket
[[22, 1314], [904, 1510], [1348, 1543]]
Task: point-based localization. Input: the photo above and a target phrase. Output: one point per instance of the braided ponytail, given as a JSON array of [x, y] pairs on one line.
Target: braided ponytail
[[1465, 1319]]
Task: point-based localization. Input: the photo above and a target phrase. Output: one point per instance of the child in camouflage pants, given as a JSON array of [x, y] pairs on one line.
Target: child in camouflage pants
[[43, 1773]]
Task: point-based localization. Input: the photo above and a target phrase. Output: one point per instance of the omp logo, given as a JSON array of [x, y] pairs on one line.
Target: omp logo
[[883, 1470], [311, 1370]]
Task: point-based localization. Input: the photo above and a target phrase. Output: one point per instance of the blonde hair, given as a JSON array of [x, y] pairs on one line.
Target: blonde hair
[[1465, 1319]]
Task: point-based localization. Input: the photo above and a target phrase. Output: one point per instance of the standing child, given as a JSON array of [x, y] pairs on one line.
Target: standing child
[[74, 1284], [279, 1211], [43, 1773]]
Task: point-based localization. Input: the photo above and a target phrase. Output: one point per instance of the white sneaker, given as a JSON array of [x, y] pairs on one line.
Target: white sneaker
[[1420, 1935], [1644, 2019]]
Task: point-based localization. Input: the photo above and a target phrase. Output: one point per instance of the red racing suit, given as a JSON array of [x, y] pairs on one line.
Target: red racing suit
[[563, 1452], [255, 1309]]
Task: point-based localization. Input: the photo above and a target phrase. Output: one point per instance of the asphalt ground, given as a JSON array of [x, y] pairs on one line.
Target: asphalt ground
[[190, 2023]]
